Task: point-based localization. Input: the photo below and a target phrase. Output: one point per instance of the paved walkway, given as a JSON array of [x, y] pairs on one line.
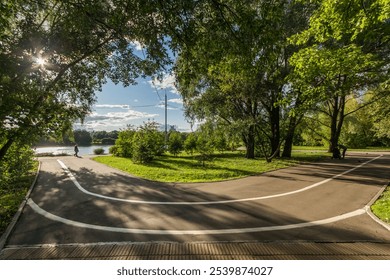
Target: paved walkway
[[80, 209]]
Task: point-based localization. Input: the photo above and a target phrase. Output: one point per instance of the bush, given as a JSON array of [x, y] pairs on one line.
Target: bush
[[124, 143], [175, 144], [16, 164], [98, 151], [17, 172], [190, 143], [113, 150], [205, 147], [147, 143], [142, 151]]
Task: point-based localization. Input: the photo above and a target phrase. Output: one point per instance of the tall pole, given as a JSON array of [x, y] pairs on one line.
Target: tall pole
[[166, 123]]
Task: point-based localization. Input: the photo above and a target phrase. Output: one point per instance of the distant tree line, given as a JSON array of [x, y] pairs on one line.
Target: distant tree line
[[82, 137]]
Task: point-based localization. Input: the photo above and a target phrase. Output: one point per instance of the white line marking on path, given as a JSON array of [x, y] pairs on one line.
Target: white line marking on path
[[56, 218], [71, 176]]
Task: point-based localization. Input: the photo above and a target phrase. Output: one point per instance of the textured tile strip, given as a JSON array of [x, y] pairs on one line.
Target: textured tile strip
[[205, 251]]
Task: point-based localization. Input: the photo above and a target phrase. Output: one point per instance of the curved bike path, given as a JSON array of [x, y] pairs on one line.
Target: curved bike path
[[79, 202]]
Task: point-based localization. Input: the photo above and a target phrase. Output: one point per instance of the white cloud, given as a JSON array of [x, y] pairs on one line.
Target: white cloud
[[112, 106], [168, 82], [114, 120], [176, 100]]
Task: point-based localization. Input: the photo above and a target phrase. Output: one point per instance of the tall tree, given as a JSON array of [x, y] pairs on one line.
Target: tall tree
[[55, 54], [236, 67], [348, 47]]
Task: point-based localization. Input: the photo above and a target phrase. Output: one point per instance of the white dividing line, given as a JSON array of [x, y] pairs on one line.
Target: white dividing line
[[65, 168], [56, 218]]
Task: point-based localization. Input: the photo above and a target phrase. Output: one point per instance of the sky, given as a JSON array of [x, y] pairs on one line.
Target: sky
[[119, 106]]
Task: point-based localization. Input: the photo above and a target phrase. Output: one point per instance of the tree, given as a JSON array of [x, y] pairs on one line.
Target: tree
[[204, 144], [82, 137], [236, 65], [124, 143], [175, 143], [55, 55], [190, 143], [380, 113], [147, 143], [347, 46]]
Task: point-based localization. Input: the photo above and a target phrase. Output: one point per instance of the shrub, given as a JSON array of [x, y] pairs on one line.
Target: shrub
[[113, 150], [16, 164], [205, 147], [147, 143], [98, 151], [190, 143], [175, 143], [124, 143], [142, 152]]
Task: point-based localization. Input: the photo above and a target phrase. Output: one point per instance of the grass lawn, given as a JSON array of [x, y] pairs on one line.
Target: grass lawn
[[187, 168], [11, 198], [381, 207], [324, 149]]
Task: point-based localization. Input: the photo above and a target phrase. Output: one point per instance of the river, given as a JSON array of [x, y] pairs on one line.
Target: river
[[83, 150]]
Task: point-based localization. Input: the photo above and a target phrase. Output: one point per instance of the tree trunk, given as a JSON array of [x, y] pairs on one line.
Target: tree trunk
[[275, 130], [249, 140], [294, 121], [4, 149], [287, 150], [336, 121]]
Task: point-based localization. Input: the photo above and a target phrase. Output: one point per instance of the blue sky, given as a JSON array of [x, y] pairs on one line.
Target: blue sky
[[118, 106]]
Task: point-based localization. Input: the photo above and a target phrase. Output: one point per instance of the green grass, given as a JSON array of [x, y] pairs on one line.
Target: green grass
[[372, 149], [310, 148], [381, 207], [324, 149], [186, 168], [12, 197]]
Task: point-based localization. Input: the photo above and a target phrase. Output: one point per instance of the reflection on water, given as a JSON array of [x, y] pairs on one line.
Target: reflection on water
[[88, 150]]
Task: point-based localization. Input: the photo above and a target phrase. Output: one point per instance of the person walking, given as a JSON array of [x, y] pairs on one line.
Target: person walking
[[344, 148], [76, 151]]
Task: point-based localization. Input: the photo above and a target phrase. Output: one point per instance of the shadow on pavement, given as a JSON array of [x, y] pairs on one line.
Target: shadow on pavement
[[57, 194]]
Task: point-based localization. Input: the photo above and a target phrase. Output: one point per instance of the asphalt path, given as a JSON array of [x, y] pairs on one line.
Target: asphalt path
[[80, 201]]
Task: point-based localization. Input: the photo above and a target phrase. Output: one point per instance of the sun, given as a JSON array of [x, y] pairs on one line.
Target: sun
[[40, 61]]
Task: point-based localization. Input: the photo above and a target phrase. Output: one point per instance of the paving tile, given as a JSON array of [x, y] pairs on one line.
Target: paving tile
[[120, 250], [160, 248], [22, 253], [6, 254], [206, 251], [101, 250], [375, 248], [81, 252]]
